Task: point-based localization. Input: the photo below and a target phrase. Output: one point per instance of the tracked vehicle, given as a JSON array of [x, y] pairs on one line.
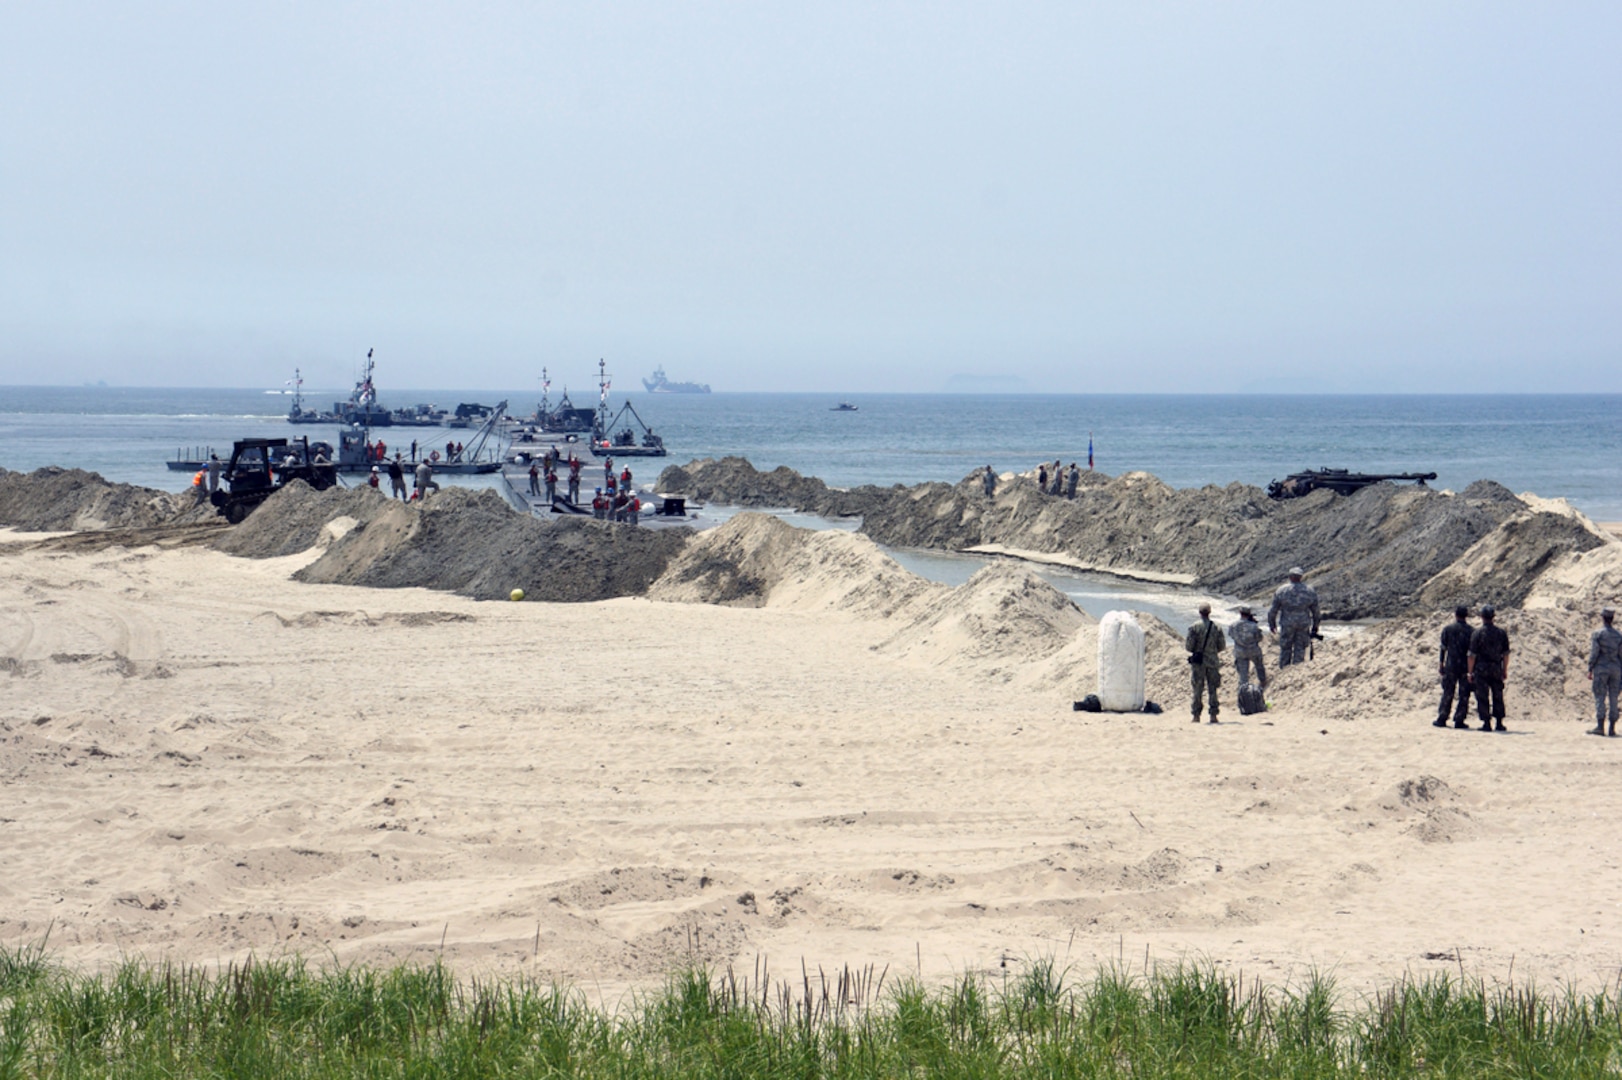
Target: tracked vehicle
[[261, 467]]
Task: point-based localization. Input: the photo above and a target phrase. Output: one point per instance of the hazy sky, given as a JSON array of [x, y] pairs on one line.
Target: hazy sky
[[815, 196]]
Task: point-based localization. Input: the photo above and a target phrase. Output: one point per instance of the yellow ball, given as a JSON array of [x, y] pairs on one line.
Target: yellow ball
[[516, 594]]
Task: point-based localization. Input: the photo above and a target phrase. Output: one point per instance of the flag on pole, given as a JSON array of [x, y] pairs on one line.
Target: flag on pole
[[1089, 451]]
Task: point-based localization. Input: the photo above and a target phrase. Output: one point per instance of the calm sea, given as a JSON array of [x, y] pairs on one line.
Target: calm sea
[[1567, 446]]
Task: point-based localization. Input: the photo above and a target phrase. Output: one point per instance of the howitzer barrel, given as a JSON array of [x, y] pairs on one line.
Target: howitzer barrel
[[1375, 478], [1337, 480]]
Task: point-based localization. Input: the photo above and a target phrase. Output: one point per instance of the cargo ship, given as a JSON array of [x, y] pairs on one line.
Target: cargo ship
[[658, 384]]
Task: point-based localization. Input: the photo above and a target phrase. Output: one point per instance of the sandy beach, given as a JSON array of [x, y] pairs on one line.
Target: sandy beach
[[203, 758]]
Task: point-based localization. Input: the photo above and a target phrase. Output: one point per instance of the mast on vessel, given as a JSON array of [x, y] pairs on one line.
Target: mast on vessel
[[365, 394]]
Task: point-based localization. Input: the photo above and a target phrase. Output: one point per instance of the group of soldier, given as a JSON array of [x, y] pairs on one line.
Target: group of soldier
[[1051, 479], [1293, 618], [1474, 660], [1054, 480]]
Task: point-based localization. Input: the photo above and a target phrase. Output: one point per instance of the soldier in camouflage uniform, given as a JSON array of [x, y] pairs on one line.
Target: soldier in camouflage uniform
[[1605, 670], [1294, 618], [1205, 642], [1247, 648]]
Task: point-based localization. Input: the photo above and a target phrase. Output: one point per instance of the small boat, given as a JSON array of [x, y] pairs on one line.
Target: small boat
[[298, 414], [361, 408], [623, 443], [565, 420], [608, 439], [420, 416], [843, 406]]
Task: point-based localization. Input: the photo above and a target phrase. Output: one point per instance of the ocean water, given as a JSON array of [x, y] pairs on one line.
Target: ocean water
[[1557, 446], [1564, 446]]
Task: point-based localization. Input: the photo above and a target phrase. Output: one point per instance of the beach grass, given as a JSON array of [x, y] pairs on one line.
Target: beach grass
[[284, 1019]]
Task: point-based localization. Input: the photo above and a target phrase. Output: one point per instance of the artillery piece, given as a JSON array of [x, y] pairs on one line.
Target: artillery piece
[[1339, 481]]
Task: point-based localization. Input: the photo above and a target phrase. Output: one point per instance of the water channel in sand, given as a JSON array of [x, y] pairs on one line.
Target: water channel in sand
[[1093, 592]]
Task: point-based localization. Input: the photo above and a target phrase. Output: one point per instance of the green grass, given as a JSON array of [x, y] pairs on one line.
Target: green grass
[[282, 1020]]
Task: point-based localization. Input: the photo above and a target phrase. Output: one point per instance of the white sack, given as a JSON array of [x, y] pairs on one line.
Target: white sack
[[1120, 662]]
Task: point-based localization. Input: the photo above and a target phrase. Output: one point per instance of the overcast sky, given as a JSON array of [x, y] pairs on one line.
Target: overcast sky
[[815, 196]]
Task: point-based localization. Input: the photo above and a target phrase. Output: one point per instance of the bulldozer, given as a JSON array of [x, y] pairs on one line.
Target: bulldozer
[[261, 467]]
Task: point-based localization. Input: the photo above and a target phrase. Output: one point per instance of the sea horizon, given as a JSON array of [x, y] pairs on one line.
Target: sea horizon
[[1556, 445]]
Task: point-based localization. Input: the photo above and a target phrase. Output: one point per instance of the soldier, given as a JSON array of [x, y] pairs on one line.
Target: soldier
[[1605, 670], [1489, 667], [1247, 648], [1294, 618], [1205, 642], [1455, 668], [989, 479], [1058, 479], [1071, 480], [425, 479], [397, 478]]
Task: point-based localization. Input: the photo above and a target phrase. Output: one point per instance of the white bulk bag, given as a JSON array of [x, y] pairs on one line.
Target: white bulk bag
[[1120, 662]]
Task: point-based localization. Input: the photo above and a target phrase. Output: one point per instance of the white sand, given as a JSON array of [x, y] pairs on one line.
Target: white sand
[[200, 759], [1059, 559]]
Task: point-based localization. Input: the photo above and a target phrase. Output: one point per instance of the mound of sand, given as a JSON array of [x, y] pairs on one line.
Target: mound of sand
[[1502, 567], [1371, 554], [756, 560], [1004, 616], [292, 520], [1581, 581], [473, 543], [735, 482], [1004, 623], [54, 500]]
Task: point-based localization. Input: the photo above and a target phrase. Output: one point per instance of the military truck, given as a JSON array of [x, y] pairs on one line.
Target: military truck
[[261, 467]]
